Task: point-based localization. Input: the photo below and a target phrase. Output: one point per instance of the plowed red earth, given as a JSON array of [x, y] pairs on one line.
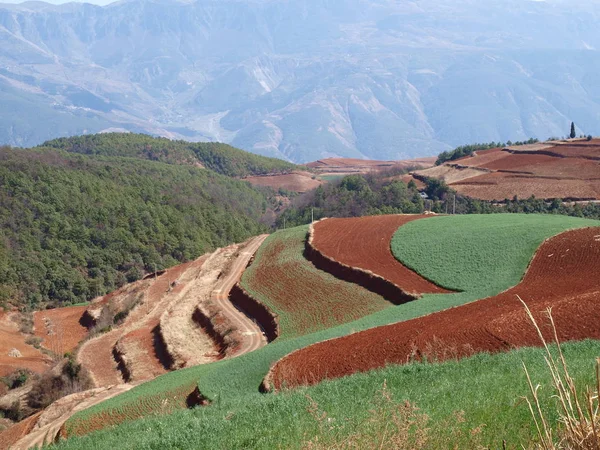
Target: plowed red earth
[[582, 149], [60, 329], [499, 186], [563, 275], [11, 435], [11, 338], [364, 242]]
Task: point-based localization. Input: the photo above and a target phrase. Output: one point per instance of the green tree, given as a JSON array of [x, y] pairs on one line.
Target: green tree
[[573, 134]]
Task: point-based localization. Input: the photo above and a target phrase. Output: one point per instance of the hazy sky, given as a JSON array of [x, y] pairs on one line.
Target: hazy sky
[[57, 2]]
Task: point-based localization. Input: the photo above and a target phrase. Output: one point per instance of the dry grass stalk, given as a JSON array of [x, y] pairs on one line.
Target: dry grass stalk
[[390, 425], [581, 422]]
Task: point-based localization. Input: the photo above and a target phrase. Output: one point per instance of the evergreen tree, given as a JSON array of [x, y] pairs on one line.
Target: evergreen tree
[[573, 134]]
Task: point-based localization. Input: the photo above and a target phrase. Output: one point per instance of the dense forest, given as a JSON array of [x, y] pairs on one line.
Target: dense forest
[[73, 227], [221, 158]]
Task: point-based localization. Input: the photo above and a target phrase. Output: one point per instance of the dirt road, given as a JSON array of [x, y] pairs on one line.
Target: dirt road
[[253, 335]]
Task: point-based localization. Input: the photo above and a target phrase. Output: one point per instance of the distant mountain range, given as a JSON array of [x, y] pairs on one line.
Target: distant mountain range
[[305, 79]]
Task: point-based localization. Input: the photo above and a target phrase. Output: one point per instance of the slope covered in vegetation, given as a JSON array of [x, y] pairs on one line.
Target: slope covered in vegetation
[[73, 227], [233, 384], [221, 158]]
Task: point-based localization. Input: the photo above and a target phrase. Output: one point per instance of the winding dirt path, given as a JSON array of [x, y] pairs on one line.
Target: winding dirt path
[[253, 335]]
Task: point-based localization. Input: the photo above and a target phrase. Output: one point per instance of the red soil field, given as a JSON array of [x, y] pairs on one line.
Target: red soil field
[[60, 329], [563, 275], [579, 149], [11, 435], [482, 158], [565, 170], [11, 338], [547, 166], [296, 181], [364, 242], [499, 186]]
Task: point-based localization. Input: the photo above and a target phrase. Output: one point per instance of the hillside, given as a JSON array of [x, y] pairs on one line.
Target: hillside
[[73, 227], [221, 158], [232, 384], [567, 170], [379, 79]]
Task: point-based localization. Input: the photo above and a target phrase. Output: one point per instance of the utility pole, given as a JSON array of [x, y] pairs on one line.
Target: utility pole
[[454, 205], [284, 223], [312, 215]]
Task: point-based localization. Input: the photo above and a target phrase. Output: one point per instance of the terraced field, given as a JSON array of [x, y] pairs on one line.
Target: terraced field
[[566, 170], [365, 243], [304, 298], [232, 385], [563, 275]]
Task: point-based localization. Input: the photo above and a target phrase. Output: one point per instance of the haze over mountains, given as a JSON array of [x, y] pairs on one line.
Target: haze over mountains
[[303, 79]]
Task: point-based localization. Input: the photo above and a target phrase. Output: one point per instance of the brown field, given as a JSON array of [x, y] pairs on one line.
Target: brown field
[[565, 170], [347, 166], [499, 186], [364, 242], [563, 275], [10, 436], [295, 181], [11, 338], [60, 329]]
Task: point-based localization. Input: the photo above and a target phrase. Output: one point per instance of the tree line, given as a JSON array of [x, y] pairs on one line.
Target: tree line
[[73, 227]]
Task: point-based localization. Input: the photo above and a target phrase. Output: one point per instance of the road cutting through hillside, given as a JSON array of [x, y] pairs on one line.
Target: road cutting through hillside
[[253, 335]]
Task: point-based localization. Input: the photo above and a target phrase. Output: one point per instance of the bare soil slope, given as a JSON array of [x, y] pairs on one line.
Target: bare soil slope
[[14, 352], [563, 275], [61, 329], [296, 181]]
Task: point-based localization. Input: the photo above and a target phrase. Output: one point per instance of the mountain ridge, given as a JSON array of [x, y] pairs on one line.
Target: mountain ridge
[[305, 80]]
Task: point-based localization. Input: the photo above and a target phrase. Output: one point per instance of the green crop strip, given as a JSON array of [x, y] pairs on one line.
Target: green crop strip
[[486, 387], [233, 384]]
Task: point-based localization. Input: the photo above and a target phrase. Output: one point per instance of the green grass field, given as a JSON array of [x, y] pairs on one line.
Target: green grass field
[[233, 384], [305, 299], [488, 388]]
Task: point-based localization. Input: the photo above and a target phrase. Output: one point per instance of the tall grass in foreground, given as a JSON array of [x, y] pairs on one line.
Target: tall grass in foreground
[[578, 414]]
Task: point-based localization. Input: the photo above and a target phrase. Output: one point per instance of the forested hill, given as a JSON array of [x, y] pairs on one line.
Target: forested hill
[[221, 158], [75, 226]]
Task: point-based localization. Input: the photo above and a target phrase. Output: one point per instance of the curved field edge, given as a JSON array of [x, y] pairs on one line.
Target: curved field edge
[[304, 298], [562, 276], [486, 387], [478, 255], [228, 382]]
